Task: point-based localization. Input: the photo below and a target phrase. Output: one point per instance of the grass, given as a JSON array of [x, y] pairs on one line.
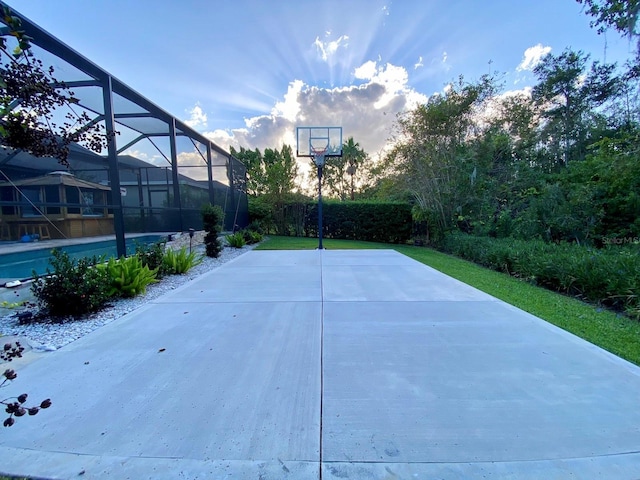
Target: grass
[[615, 333]]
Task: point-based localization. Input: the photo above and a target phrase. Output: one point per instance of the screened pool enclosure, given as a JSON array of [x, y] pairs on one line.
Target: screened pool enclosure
[[155, 175]]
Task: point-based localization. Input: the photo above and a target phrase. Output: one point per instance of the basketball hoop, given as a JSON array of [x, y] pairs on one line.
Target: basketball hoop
[[318, 155], [319, 143]]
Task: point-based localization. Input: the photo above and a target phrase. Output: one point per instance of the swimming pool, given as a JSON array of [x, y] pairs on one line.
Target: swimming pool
[[20, 265]]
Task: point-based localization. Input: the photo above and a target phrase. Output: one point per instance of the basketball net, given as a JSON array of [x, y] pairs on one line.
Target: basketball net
[[318, 155]]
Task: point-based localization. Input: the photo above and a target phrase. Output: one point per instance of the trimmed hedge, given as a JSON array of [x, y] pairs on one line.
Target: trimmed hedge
[[609, 276], [386, 222], [366, 221]]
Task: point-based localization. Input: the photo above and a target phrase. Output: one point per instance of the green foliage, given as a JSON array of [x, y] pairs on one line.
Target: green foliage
[[339, 173], [434, 161], [127, 276], [363, 220], [386, 222], [180, 261], [236, 240], [569, 92], [73, 288], [608, 276], [261, 214], [212, 218], [11, 305], [621, 15], [152, 256], [251, 236], [272, 174]]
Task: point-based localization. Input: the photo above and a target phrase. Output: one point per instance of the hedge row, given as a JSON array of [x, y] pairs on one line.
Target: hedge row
[[609, 276], [386, 222], [366, 221]]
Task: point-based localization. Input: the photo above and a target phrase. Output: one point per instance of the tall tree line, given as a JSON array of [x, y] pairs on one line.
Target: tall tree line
[[560, 162]]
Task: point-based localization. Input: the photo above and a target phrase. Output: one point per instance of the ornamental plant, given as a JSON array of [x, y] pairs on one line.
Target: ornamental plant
[[251, 236], [180, 261], [127, 276], [73, 288], [236, 240], [16, 407], [152, 256], [212, 217]]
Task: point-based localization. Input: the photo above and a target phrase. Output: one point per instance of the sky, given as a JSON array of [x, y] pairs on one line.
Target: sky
[[247, 72]]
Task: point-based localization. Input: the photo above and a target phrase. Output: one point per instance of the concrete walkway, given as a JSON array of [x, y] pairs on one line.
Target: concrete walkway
[[333, 365]]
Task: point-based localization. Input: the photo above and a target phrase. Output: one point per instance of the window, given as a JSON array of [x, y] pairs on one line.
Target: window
[[73, 198], [6, 195], [52, 195], [29, 199]]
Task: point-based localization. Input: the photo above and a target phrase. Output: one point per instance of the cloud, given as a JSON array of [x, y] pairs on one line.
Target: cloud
[[367, 112], [327, 50], [154, 159], [532, 56], [197, 118], [366, 71], [289, 108], [418, 64]]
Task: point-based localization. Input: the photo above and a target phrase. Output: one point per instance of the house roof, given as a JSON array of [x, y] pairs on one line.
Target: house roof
[[55, 178]]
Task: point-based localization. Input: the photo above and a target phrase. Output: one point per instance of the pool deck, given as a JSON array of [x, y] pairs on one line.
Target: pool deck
[[359, 364]]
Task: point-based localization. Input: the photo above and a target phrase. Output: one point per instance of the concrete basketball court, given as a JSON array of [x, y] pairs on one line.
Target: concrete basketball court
[[358, 364]]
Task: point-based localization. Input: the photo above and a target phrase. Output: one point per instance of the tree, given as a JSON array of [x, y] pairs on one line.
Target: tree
[[273, 173], [354, 156], [280, 172], [568, 93], [621, 15], [29, 98], [339, 172], [252, 160], [433, 159]]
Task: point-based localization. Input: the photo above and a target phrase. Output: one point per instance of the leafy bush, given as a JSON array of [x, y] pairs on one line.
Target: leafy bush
[[152, 256], [236, 240], [385, 222], [609, 276], [127, 276], [180, 262], [260, 214], [251, 236], [73, 288], [212, 217]]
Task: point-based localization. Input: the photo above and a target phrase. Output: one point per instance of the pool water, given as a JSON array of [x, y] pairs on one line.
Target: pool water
[[20, 266]]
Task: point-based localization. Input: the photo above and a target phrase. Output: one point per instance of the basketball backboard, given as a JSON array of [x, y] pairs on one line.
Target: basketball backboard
[[318, 138]]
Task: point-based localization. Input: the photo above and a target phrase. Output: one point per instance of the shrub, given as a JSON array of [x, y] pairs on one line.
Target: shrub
[[236, 240], [127, 276], [152, 255], [260, 214], [73, 288], [385, 222], [180, 262], [609, 276], [212, 217], [251, 236]]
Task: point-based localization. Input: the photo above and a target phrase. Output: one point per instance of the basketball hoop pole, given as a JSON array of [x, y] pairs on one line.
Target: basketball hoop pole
[[319, 143], [318, 159]]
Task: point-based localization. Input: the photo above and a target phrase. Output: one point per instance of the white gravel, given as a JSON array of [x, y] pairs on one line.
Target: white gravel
[[49, 336]]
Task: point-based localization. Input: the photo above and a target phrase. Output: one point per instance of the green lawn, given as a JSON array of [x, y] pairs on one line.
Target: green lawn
[[615, 333]]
